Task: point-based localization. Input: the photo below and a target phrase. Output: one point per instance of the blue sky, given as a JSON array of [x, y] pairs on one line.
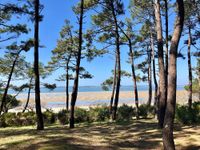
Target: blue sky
[[55, 12]]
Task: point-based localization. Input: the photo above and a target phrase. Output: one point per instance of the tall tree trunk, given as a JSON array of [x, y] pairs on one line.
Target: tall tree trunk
[[134, 79], [162, 82], [40, 124], [8, 84], [29, 93], [131, 53], [117, 43], [78, 61], [67, 87], [168, 139], [149, 78], [189, 69], [166, 43], [154, 75], [113, 88]]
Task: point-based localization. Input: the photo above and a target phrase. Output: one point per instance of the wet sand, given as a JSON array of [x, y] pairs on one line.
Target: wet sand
[[56, 101]]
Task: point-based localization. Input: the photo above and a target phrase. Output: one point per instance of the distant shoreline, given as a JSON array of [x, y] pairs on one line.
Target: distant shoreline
[[56, 101]]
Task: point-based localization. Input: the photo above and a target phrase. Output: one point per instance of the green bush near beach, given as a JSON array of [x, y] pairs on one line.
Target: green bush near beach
[[17, 119], [125, 113], [99, 113], [184, 115], [63, 117], [188, 116], [11, 102], [146, 110], [49, 117]]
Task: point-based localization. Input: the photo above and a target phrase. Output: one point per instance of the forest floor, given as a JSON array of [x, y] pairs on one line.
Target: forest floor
[[141, 134]]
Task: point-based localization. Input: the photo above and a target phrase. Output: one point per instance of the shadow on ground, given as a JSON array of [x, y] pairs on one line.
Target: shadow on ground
[[142, 134]]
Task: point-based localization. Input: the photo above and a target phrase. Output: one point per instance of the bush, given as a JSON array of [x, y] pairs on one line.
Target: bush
[[80, 115], [11, 102], [145, 110], [125, 113], [99, 113], [19, 119], [63, 117], [49, 117], [188, 116]]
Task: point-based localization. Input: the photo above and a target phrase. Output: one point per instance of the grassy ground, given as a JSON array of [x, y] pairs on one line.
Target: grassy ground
[[142, 134]]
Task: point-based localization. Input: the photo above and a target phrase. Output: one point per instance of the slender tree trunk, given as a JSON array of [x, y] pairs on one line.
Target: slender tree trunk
[[29, 93], [113, 88], [166, 41], [189, 70], [162, 82], [134, 80], [154, 75], [131, 53], [78, 61], [67, 87], [168, 139], [149, 78], [117, 42], [8, 84], [40, 124]]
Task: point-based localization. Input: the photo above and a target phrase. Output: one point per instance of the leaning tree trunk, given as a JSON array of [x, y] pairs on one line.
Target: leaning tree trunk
[[117, 42], [189, 69], [113, 88], [131, 53], [78, 61], [168, 139], [162, 81], [29, 93], [40, 124], [149, 78], [8, 83]]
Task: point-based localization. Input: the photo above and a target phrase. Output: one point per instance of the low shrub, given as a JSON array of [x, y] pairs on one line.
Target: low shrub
[[99, 113], [49, 117], [145, 110], [19, 119], [81, 115], [10, 103], [188, 116], [125, 113], [63, 117]]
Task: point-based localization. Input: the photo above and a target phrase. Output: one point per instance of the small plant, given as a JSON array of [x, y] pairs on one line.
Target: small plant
[[63, 117], [81, 115], [125, 113], [99, 113], [146, 110], [188, 116], [49, 117]]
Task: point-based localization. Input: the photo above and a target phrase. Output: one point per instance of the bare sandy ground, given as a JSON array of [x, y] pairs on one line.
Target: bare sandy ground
[[85, 98]]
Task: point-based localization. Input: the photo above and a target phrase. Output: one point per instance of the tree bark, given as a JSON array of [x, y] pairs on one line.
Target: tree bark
[[8, 84], [40, 124], [67, 87], [131, 53], [78, 61], [166, 43], [189, 69], [154, 75], [162, 82], [149, 78], [29, 93], [117, 42], [113, 88], [168, 139]]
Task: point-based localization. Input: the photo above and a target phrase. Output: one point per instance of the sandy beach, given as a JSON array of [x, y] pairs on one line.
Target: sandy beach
[[56, 101]]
